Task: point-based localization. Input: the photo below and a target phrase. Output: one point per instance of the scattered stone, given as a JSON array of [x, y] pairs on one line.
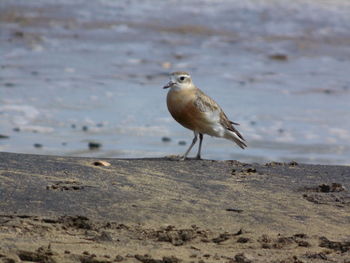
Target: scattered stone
[[250, 170], [9, 84], [19, 34], [2, 136], [101, 163], [242, 258], [65, 186], [282, 242], [104, 237], [38, 145], [270, 164], [179, 56], [328, 91], [171, 259], [166, 139], [16, 129], [221, 238], [252, 123], [326, 188], [78, 222], [239, 232], [303, 243], [300, 235], [279, 57], [118, 258], [244, 171], [176, 237], [243, 240], [335, 245], [73, 126], [182, 143], [85, 128], [334, 187], [42, 254], [94, 145], [148, 259], [320, 255], [293, 163], [234, 210], [64, 143]]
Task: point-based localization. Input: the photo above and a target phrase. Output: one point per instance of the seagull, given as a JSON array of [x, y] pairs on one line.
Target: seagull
[[196, 111]]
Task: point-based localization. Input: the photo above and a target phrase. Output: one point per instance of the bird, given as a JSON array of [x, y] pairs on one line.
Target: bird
[[196, 111]]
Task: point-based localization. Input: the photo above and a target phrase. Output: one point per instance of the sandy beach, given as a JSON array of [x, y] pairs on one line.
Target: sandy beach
[[64, 209]]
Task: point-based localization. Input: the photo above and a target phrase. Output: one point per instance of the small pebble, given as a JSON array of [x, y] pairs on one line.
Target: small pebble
[[9, 85], [94, 145], [16, 129], [38, 145], [85, 128], [119, 258], [252, 123], [279, 56], [18, 34], [166, 139], [182, 142], [73, 126], [2, 136]]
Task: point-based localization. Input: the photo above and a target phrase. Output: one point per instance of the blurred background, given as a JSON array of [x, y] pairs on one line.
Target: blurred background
[[85, 78]]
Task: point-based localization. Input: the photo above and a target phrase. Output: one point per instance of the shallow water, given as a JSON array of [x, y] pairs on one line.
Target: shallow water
[[280, 69]]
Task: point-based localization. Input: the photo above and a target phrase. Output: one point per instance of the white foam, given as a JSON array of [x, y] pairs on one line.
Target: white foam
[[20, 114], [143, 130]]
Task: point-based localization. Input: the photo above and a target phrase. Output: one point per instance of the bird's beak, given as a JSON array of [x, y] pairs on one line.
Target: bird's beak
[[170, 83]]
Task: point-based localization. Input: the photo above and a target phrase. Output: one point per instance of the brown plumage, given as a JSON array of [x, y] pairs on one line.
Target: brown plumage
[[193, 109]]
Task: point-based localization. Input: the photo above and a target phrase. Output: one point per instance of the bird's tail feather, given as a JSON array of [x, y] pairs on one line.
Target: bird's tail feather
[[239, 140]]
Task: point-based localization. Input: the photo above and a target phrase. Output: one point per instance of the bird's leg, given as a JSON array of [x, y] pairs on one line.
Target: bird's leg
[[189, 149], [198, 157]]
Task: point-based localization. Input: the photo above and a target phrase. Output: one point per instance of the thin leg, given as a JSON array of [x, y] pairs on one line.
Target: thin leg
[[192, 144], [200, 146]]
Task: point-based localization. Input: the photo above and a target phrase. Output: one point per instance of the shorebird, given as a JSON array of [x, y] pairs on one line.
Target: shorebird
[[196, 111]]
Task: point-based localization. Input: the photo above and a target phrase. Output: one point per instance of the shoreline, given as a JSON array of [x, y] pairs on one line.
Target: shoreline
[[171, 211]]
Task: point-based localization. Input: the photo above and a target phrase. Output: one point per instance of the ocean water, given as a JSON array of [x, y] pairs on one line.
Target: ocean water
[[74, 72]]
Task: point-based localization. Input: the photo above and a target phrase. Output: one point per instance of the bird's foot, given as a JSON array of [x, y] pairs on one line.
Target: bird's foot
[[198, 157], [182, 158]]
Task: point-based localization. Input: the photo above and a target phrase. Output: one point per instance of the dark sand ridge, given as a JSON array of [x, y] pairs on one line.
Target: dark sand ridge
[[193, 210]]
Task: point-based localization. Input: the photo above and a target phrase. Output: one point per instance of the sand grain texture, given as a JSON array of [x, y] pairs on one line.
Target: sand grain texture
[[62, 209]]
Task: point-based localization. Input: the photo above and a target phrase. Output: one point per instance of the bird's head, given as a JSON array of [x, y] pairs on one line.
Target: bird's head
[[179, 80]]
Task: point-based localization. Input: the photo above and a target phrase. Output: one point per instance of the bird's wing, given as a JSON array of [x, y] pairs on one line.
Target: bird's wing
[[206, 104], [229, 124]]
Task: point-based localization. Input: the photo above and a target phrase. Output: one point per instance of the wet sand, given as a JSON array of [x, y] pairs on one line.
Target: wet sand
[[80, 72], [64, 209]]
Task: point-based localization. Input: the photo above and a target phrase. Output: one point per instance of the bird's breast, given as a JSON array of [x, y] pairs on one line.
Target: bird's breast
[[182, 107]]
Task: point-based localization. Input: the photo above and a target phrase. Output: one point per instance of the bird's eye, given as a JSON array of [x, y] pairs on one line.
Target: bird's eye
[[182, 78]]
